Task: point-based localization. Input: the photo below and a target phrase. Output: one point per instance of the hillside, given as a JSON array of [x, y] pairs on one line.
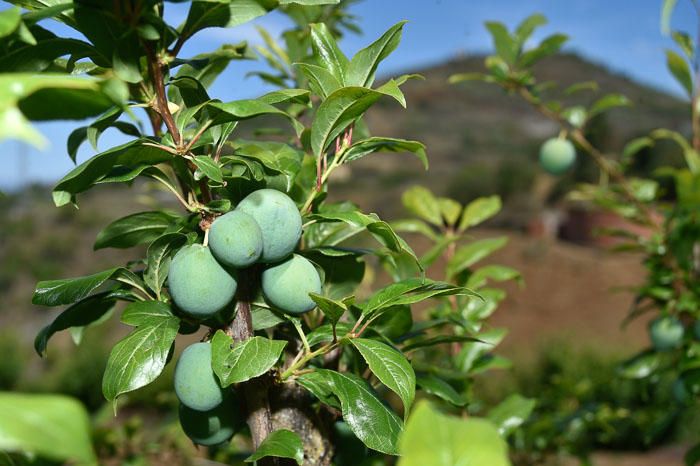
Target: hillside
[[482, 140]]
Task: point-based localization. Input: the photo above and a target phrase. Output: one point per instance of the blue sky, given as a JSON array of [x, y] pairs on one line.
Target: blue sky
[[623, 35]]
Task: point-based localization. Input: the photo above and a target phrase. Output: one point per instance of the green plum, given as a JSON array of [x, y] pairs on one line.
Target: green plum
[[279, 220], [666, 333], [198, 285], [196, 385], [287, 285], [557, 155], [212, 427], [236, 240]]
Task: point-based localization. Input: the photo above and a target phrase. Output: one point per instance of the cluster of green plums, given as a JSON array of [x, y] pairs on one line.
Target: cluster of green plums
[[264, 229], [557, 155]]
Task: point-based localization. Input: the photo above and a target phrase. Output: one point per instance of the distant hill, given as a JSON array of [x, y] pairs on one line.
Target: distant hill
[[481, 140]]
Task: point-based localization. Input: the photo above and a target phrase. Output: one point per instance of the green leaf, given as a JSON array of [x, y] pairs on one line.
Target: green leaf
[[71, 290], [391, 368], [240, 110], [241, 361], [511, 413], [54, 427], [139, 358], [608, 102], [680, 70], [80, 314], [209, 168], [479, 210], [438, 387], [26, 96], [409, 291], [278, 157], [343, 107], [421, 202], [527, 27], [470, 254], [379, 144], [327, 52], [10, 20], [412, 225], [217, 13], [666, 13], [438, 340], [134, 229], [429, 431], [450, 210], [81, 178], [309, 2], [321, 81], [378, 228], [280, 444], [641, 366], [126, 58], [363, 66], [370, 420], [549, 46], [331, 308], [158, 259], [499, 273], [506, 47]]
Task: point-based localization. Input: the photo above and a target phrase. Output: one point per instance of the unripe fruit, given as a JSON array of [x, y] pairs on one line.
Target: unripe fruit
[[279, 221], [198, 284], [195, 383], [235, 239], [287, 285], [213, 427], [666, 333], [557, 155]]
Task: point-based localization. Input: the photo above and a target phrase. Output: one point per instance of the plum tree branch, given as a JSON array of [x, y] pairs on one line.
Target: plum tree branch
[[156, 72], [255, 391]]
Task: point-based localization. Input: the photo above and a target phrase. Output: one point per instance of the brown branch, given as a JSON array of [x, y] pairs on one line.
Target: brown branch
[[597, 156], [255, 391], [156, 71]]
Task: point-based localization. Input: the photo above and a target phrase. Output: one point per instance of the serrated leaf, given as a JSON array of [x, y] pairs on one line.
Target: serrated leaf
[[54, 427], [429, 431], [379, 144], [370, 420], [363, 66], [280, 444], [241, 361], [391, 368], [139, 358], [134, 229], [479, 210]]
